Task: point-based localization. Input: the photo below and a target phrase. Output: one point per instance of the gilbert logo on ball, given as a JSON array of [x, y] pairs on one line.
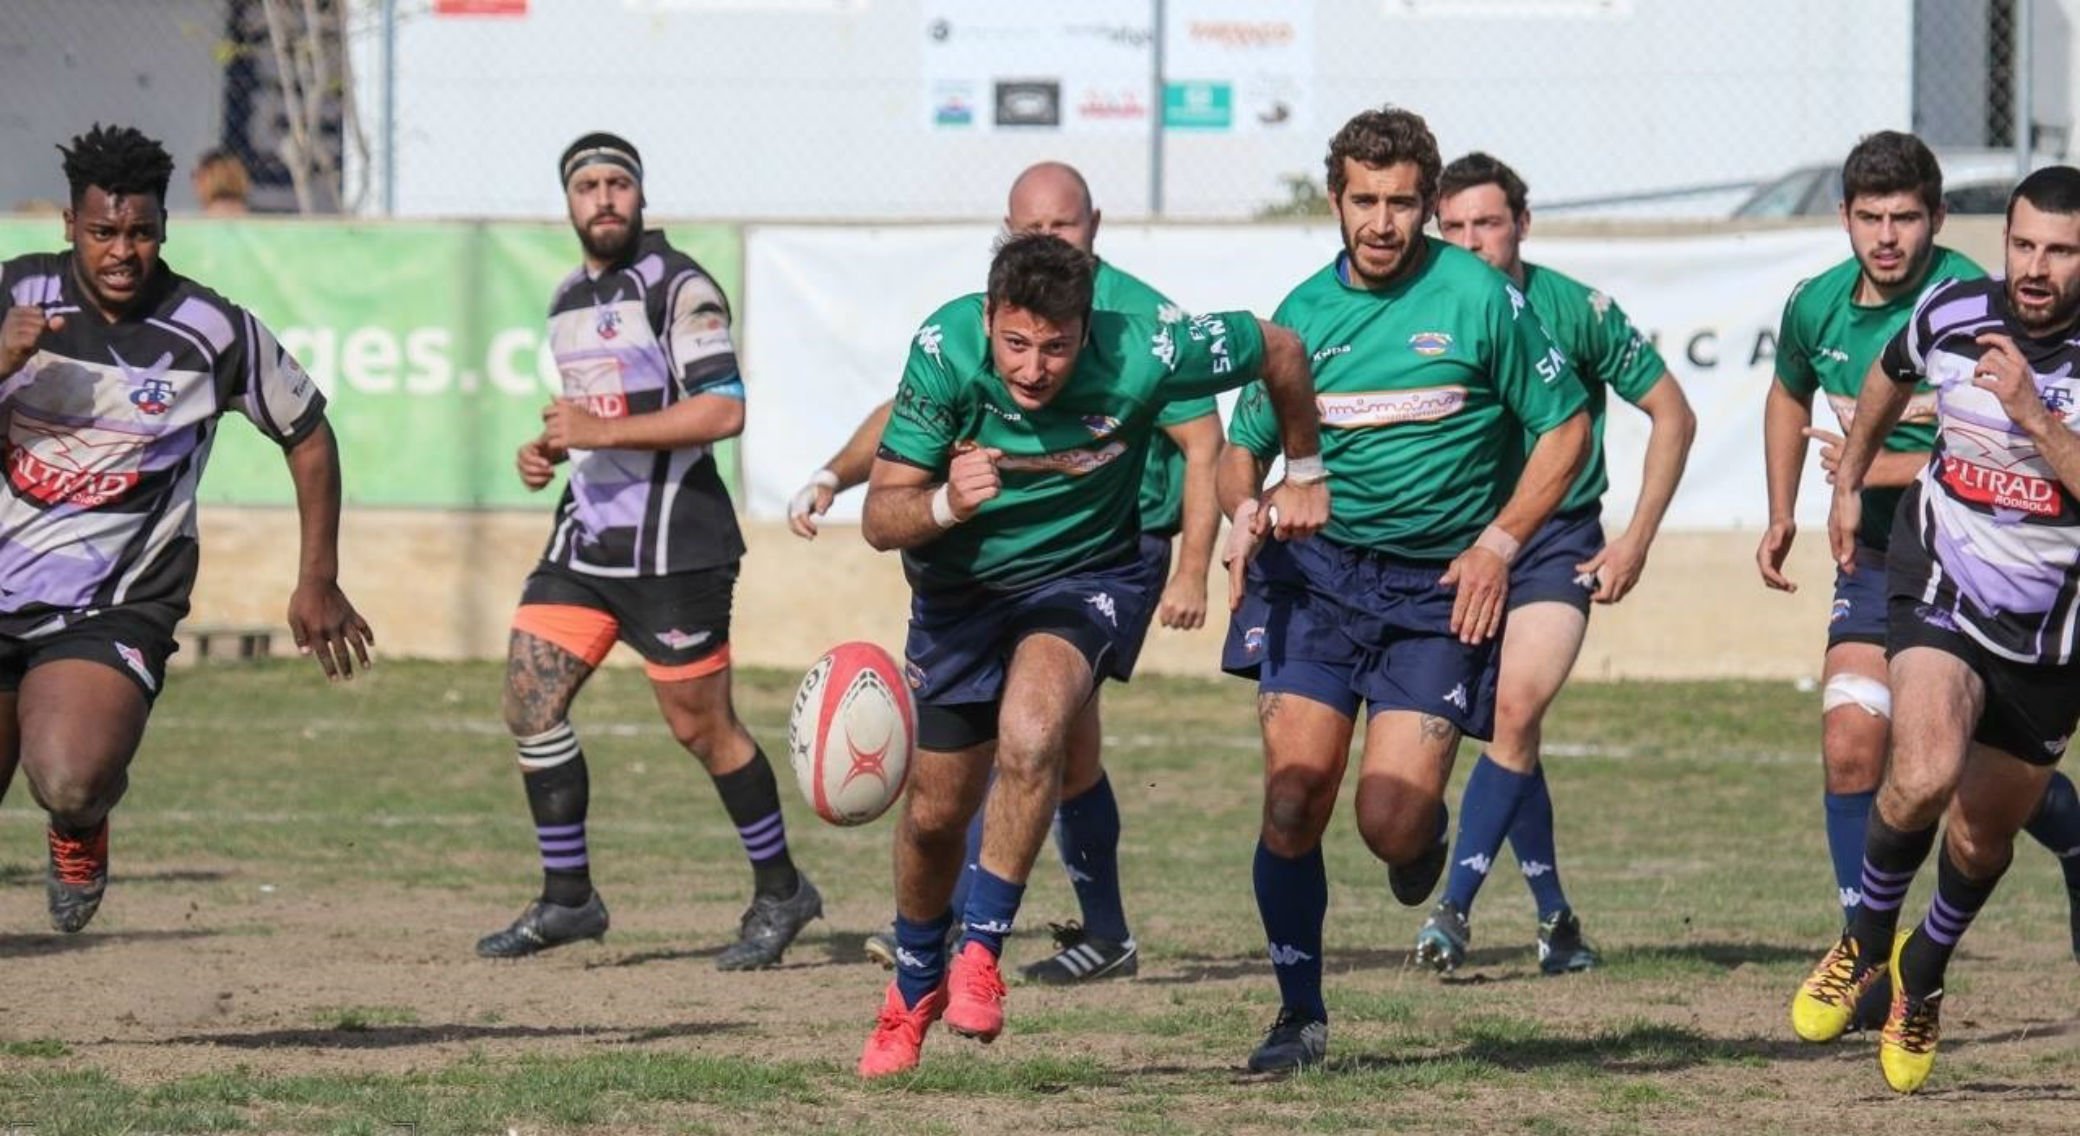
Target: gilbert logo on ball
[[851, 733]]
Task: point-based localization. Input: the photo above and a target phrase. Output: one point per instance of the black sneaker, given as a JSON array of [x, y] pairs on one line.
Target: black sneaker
[[544, 925], [1442, 941], [1293, 1043], [1561, 947], [1082, 957], [75, 878], [768, 926], [1412, 883]]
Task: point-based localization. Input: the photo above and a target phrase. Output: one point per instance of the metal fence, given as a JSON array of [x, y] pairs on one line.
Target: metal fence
[[885, 109]]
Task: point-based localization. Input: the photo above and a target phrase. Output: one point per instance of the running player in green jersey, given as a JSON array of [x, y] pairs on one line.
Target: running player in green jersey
[[1432, 366], [1176, 501], [1834, 327], [1483, 207], [1009, 476]]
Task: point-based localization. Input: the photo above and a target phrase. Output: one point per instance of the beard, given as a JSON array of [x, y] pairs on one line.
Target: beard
[[612, 246]]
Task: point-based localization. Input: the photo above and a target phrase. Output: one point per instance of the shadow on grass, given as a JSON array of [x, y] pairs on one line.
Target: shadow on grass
[[402, 1036], [1638, 1049], [798, 957], [52, 943], [25, 875], [1180, 970], [1988, 1090], [1725, 956], [2028, 1031]]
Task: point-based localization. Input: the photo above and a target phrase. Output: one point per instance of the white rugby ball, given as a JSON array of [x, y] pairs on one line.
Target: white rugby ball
[[851, 733]]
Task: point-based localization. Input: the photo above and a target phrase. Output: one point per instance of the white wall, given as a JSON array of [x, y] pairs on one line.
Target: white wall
[[815, 108]]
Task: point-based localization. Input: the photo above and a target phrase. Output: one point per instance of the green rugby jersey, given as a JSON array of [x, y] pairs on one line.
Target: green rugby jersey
[[1162, 482], [1071, 469], [1424, 388], [1827, 342], [1608, 353]]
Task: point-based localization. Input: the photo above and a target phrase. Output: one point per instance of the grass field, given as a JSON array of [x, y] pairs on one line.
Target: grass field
[[300, 873]]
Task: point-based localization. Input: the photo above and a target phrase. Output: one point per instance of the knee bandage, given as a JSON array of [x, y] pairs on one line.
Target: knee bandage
[[1861, 691], [548, 749]]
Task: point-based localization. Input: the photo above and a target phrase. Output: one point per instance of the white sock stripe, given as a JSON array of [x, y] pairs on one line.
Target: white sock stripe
[[548, 749]]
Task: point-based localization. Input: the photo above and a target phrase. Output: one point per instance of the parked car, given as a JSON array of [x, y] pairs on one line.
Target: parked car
[[1974, 181]]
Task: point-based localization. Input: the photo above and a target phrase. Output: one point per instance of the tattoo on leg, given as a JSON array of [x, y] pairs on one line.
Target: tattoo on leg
[[541, 680], [1268, 706], [1436, 729]]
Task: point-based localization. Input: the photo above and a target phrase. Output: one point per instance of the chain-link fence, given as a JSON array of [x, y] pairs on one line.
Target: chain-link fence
[[881, 109]]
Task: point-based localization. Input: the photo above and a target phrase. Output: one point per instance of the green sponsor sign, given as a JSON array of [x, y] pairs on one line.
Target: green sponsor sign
[[1198, 105], [428, 339]]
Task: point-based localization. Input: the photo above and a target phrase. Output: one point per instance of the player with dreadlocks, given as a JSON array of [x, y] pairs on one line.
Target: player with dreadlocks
[[114, 369]]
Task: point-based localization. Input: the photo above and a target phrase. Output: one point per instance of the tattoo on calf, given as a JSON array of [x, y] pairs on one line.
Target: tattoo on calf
[[541, 680]]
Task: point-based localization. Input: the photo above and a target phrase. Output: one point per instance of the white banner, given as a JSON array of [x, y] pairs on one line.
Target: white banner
[[828, 314]]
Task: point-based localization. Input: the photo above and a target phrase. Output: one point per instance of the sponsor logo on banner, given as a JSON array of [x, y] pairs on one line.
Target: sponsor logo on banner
[[2001, 488], [953, 104], [1029, 102], [1198, 105], [1242, 34], [1385, 408], [1111, 105], [84, 466], [1429, 343]]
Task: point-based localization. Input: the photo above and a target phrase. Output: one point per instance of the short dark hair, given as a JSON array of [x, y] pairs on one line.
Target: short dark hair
[[1043, 274], [1889, 162], [1480, 168], [1385, 137], [119, 159], [2053, 189]]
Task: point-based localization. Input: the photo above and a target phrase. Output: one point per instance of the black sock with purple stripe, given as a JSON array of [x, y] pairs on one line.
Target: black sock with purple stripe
[[1890, 860], [1956, 903], [552, 768], [752, 798]]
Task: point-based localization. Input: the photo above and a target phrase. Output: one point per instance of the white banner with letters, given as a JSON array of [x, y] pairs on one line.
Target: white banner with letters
[[828, 314]]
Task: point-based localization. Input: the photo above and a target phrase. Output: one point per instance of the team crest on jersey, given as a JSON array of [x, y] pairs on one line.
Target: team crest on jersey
[[1253, 640], [153, 394], [1100, 424], [1428, 343], [607, 323], [2057, 400], [1840, 613]]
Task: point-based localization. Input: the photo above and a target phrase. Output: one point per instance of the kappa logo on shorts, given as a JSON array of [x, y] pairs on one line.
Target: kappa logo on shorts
[[2056, 747], [1103, 602], [1841, 611], [134, 659], [679, 640], [1457, 697]]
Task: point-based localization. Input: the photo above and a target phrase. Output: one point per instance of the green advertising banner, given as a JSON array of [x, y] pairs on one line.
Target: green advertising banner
[[428, 338]]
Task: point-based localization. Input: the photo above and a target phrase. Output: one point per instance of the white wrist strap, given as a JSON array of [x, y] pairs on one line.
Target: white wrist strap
[[942, 507], [1306, 471], [1499, 542], [825, 479]]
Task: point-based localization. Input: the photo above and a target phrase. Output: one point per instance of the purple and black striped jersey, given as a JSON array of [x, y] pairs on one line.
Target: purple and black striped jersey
[[108, 426], [634, 340], [1997, 535]]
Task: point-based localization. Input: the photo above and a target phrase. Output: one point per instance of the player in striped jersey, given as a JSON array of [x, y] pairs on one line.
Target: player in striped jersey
[[114, 369], [645, 549], [1984, 610]]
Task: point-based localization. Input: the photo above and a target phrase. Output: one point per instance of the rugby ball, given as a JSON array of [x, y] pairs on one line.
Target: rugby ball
[[851, 733]]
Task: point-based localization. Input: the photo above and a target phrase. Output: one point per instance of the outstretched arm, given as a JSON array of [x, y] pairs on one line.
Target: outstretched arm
[[323, 622], [850, 466]]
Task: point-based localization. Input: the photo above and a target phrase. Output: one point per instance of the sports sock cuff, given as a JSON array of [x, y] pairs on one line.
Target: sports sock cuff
[[548, 749]]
